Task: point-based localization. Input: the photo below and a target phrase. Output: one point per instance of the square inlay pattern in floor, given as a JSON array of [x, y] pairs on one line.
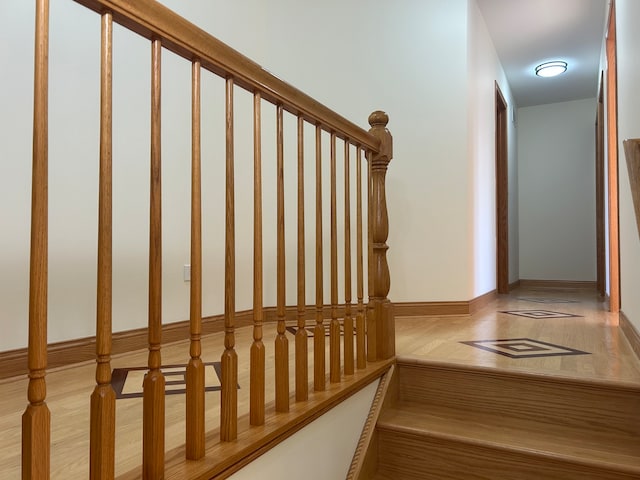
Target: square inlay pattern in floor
[[523, 348], [547, 300], [539, 314], [127, 382], [293, 329]]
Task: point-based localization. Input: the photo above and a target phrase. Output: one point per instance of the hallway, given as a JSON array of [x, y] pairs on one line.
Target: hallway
[[574, 338], [574, 319]]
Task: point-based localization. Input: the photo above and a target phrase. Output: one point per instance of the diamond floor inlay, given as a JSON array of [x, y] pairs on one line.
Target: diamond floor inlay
[[539, 314], [127, 382], [523, 348], [310, 327], [546, 300]]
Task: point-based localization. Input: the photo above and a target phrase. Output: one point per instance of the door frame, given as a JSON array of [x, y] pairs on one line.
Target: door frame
[[502, 194], [612, 162], [601, 274]]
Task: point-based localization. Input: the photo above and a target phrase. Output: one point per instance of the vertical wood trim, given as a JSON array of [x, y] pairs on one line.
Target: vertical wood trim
[[281, 342], [302, 362], [361, 348], [195, 369], [502, 194], [612, 161], [334, 327], [600, 202], [348, 319], [154, 382], [103, 399], [319, 369], [36, 420], [257, 371], [229, 361]]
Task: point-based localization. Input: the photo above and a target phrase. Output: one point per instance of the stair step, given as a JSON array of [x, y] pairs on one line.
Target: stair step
[[596, 407], [407, 456], [525, 438]]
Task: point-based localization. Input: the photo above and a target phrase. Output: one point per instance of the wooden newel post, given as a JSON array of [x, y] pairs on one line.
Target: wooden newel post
[[380, 319]]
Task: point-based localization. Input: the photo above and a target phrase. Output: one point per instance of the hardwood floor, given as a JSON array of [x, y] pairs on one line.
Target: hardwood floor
[[592, 330]]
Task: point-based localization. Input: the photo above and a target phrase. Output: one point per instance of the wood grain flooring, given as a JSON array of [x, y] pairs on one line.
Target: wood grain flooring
[[419, 338]]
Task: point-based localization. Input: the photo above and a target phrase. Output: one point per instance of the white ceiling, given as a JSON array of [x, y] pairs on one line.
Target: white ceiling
[[529, 32]]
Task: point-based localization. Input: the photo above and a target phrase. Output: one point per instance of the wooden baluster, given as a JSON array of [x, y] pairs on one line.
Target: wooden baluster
[[281, 343], [361, 348], [379, 305], [256, 374], [348, 319], [229, 361], [319, 380], [154, 382], [195, 368], [334, 328], [103, 398], [302, 361], [372, 331], [36, 420]]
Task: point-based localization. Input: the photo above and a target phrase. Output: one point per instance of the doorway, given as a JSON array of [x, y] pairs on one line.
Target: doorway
[[502, 195], [612, 162]]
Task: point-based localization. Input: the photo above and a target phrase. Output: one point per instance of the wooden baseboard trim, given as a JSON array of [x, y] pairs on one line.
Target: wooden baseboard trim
[[443, 309], [630, 332], [482, 301], [514, 285], [14, 362], [430, 309], [574, 284]]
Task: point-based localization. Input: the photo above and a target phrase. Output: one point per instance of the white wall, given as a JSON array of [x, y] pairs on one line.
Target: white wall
[[628, 38], [316, 452], [355, 57], [557, 191], [484, 72]]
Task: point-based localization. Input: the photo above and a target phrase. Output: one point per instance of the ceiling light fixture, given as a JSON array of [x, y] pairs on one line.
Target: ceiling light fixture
[[551, 69]]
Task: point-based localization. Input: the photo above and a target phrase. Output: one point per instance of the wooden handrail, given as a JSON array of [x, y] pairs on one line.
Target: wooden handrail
[[632, 153], [152, 20]]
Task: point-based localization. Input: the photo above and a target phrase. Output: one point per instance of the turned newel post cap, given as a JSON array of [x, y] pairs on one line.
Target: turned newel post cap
[[378, 119]]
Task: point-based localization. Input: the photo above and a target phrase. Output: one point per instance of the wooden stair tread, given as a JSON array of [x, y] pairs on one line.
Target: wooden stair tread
[[495, 431]]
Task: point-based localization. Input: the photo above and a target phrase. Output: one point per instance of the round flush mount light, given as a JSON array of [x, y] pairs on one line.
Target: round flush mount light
[[551, 69]]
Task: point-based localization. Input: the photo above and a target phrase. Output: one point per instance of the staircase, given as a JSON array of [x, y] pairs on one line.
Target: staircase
[[446, 421]]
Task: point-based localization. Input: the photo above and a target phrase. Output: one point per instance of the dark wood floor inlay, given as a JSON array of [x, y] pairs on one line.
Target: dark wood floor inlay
[[547, 300], [539, 314], [127, 382], [523, 348], [310, 327]]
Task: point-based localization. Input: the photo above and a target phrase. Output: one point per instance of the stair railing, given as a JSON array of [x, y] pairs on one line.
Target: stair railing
[[374, 325]]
